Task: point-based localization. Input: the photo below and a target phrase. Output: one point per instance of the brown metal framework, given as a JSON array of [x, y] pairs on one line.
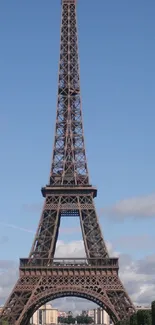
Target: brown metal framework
[[69, 193]]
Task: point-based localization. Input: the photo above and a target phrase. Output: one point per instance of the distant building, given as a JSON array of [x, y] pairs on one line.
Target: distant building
[[62, 314], [143, 308], [99, 316], [91, 313], [45, 315]]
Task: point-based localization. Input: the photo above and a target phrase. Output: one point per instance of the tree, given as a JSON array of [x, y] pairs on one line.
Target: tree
[[81, 319], [153, 312], [71, 319], [70, 313], [133, 319], [124, 322], [144, 317]]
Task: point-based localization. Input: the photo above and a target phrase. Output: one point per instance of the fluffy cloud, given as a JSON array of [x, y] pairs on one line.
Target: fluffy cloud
[[138, 276], [76, 249], [143, 206], [135, 274]]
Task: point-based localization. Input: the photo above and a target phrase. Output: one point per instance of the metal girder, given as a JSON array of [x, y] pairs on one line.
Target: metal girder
[[73, 203], [69, 164], [43, 278], [39, 284]]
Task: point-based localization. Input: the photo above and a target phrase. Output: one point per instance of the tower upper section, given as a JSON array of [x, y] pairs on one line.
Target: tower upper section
[[69, 166]]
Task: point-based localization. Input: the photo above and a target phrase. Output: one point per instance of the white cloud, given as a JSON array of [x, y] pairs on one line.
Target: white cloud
[[142, 206], [135, 275], [138, 276], [8, 225], [76, 249], [71, 249]]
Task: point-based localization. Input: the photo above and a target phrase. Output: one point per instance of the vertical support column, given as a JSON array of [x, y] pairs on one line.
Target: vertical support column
[[103, 312], [44, 316], [95, 316], [101, 315], [98, 315]]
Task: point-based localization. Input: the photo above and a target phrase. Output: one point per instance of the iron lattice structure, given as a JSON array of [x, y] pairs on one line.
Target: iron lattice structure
[[68, 193]]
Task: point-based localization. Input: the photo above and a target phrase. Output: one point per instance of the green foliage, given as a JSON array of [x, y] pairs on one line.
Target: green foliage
[[124, 322], [144, 317], [79, 319], [153, 312], [66, 320], [84, 319], [71, 319], [133, 319]]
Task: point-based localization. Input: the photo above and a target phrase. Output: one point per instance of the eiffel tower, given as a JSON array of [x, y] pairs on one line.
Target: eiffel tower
[[42, 277]]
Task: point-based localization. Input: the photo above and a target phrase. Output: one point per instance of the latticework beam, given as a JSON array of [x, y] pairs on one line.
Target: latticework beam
[[43, 278]]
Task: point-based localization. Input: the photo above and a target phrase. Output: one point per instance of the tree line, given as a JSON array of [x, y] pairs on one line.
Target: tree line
[[81, 319]]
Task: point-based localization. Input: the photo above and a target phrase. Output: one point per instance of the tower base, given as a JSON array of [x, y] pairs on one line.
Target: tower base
[[43, 280]]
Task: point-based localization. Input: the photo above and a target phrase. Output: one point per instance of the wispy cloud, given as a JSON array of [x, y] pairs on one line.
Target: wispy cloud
[[141, 207], [64, 230], [16, 227]]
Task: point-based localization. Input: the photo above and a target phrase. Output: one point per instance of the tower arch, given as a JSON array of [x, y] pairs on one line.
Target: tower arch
[[87, 293]]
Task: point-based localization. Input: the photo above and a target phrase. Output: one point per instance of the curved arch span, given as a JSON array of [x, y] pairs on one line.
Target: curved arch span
[[48, 295]]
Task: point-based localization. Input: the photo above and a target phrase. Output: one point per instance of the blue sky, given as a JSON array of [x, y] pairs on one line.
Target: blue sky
[[117, 50]]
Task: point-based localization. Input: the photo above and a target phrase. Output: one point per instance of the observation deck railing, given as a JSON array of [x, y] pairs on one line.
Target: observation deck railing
[[69, 263]]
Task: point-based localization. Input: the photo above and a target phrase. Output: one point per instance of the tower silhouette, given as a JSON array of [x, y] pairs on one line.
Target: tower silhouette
[[68, 193]]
